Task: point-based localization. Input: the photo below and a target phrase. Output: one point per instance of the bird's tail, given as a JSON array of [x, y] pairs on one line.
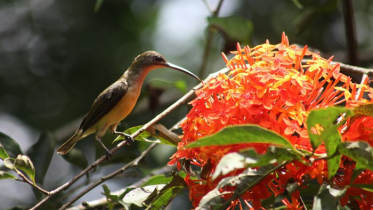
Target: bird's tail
[[69, 144]]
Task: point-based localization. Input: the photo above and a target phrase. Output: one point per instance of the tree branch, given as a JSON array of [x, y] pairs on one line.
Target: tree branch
[[206, 52], [344, 67], [121, 144], [103, 179], [102, 201], [350, 30], [349, 69], [28, 181]]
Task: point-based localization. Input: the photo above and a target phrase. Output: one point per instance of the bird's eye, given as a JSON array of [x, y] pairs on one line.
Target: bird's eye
[[158, 59]]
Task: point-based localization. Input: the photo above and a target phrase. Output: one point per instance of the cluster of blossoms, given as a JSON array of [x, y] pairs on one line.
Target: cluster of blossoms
[[268, 85]]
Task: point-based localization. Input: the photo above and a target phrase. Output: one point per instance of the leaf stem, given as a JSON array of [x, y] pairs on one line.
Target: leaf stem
[[28, 181], [210, 33]]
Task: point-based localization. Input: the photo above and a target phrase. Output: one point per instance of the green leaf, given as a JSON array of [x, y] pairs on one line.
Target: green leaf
[[242, 134], [139, 195], [3, 153], [243, 182], [110, 198], [9, 163], [233, 28], [98, 5], [180, 85], [41, 154], [324, 120], [157, 179], [333, 164], [6, 175], [297, 4], [308, 15], [327, 198], [355, 174], [366, 187], [290, 187], [166, 194], [121, 196], [364, 109], [159, 132], [10, 146], [360, 152], [230, 162], [77, 158], [164, 197], [24, 163], [250, 158]]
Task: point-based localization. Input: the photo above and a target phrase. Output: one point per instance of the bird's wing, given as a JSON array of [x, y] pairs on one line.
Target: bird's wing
[[105, 102]]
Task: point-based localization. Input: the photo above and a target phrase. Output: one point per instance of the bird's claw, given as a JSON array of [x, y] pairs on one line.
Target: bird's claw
[[108, 155], [129, 139]]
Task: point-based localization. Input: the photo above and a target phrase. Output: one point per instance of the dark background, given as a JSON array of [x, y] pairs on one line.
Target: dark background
[[57, 56]]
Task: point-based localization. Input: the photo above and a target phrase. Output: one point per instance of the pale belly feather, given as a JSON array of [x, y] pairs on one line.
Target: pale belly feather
[[117, 114]]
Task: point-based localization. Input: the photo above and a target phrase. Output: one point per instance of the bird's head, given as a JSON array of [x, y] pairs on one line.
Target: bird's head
[[151, 60]]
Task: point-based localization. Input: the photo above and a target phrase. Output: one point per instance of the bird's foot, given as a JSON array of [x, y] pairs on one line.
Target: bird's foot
[[129, 139], [108, 155]]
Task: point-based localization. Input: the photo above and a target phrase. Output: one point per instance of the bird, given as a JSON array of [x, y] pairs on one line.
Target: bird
[[117, 101]]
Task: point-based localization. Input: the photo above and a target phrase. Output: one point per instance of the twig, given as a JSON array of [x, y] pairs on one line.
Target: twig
[[143, 154], [216, 11], [361, 87], [206, 52], [120, 145], [349, 69], [354, 69], [102, 201], [348, 12], [28, 181], [113, 174], [208, 7]]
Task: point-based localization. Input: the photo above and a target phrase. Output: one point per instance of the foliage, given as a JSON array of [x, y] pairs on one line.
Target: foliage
[[268, 101], [275, 132]]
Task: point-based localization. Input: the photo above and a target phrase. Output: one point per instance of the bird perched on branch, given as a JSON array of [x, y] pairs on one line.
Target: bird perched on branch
[[118, 100]]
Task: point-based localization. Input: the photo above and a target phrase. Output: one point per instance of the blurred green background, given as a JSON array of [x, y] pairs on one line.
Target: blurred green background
[[57, 56]]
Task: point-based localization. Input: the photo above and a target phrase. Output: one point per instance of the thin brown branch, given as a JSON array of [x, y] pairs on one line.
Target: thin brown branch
[[349, 69], [143, 154], [28, 181], [208, 7], [361, 87], [102, 201], [210, 34], [344, 67], [350, 30], [217, 10], [120, 145], [113, 174]]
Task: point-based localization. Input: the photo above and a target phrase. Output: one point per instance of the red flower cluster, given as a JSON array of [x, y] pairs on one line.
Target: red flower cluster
[[268, 85]]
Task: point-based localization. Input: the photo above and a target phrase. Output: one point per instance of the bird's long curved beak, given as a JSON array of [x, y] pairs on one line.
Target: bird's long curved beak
[[173, 66]]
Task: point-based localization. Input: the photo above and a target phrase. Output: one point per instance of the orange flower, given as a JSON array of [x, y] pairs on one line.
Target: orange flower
[[268, 85]]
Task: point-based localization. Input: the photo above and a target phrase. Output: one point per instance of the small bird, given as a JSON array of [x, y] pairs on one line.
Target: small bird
[[118, 100]]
